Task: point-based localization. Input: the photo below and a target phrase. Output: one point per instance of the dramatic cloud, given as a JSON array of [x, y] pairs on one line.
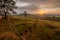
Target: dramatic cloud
[[31, 7], [48, 6]]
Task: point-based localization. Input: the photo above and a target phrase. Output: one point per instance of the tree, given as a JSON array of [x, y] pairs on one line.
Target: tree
[[7, 6], [25, 13], [53, 17]]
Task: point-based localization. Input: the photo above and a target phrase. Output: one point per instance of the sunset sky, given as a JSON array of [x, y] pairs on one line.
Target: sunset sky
[[38, 6]]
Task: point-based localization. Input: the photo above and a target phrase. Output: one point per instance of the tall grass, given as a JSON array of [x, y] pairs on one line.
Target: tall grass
[[32, 29]]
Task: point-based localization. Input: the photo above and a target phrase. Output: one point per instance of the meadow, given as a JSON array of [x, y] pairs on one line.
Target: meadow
[[31, 29]]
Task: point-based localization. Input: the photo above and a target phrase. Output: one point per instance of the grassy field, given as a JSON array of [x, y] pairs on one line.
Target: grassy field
[[32, 29]]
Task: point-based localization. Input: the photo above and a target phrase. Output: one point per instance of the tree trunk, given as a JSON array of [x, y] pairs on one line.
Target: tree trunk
[[5, 16]]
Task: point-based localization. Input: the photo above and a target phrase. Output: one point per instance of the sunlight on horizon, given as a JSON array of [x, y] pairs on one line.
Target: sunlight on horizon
[[41, 12]]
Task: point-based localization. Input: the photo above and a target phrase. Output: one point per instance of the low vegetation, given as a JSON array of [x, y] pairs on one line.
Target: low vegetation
[[32, 29]]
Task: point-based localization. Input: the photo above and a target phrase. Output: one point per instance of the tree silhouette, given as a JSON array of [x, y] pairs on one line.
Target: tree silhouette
[[25, 13], [7, 6]]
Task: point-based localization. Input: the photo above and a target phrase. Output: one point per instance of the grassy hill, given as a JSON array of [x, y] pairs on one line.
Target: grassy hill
[[32, 29]]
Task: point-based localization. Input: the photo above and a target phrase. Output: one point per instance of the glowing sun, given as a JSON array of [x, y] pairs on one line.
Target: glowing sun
[[41, 12]]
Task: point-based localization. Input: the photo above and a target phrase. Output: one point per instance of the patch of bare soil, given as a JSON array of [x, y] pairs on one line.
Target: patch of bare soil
[[9, 36]]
